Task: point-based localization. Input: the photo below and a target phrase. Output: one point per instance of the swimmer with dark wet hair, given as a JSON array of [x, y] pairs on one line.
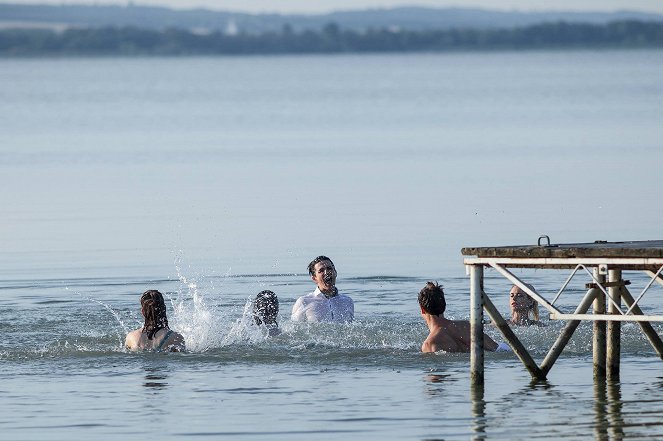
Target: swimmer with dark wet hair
[[155, 333], [265, 311], [444, 334]]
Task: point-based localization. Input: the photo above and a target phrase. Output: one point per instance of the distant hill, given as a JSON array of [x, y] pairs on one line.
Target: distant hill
[[460, 18], [202, 20], [134, 41]]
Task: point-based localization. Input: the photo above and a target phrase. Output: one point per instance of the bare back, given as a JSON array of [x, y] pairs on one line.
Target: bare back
[[137, 340], [452, 336]]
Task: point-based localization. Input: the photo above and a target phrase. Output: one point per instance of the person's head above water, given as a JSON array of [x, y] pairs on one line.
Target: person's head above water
[[325, 304], [266, 308], [323, 273], [522, 305], [155, 333], [431, 299], [153, 308]]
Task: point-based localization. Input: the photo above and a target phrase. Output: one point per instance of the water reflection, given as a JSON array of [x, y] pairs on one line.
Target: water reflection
[[155, 379], [615, 405], [437, 378], [436, 382], [479, 423], [609, 422]]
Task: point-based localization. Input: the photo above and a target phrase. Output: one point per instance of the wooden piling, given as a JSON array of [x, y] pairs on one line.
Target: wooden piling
[[598, 342], [476, 324], [614, 327]]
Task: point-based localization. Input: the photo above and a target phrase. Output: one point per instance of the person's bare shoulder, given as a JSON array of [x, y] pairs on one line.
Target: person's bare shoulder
[[439, 341], [131, 342], [177, 343], [462, 326], [428, 346]]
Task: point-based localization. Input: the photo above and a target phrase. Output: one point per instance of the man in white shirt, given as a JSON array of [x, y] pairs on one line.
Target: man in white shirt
[[325, 304]]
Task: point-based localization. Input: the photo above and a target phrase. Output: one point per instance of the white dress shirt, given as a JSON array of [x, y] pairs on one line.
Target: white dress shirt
[[316, 307]]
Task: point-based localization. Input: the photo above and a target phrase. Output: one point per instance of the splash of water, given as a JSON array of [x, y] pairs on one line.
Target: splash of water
[[121, 328], [244, 328], [203, 326], [192, 317]]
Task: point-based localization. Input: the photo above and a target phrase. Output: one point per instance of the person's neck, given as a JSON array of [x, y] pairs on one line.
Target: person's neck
[[329, 292], [519, 318], [434, 322]]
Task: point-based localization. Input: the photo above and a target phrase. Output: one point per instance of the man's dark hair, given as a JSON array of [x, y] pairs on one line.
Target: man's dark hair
[[431, 299], [265, 308], [311, 266]]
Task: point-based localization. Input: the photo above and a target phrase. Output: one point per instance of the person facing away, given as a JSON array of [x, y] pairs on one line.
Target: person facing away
[[155, 333], [522, 307], [265, 311], [325, 304], [445, 335]]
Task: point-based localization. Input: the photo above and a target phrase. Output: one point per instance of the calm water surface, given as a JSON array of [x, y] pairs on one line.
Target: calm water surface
[[211, 179]]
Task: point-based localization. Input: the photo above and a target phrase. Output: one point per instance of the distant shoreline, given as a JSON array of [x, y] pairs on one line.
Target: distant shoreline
[[331, 39]]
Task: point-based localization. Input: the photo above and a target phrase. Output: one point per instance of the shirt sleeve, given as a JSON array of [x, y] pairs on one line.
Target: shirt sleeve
[[298, 311], [350, 311]]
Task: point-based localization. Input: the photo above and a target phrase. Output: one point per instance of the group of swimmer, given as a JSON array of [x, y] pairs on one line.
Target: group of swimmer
[[326, 304]]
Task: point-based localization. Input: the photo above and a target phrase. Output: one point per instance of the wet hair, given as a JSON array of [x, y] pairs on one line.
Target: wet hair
[[153, 308], [533, 308], [431, 299], [311, 266], [535, 311], [265, 308]]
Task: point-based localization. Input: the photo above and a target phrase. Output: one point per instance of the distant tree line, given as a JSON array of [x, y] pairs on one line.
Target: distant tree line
[[331, 39]]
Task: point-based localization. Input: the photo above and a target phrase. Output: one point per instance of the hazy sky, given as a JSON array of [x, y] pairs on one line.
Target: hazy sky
[[317, 6]]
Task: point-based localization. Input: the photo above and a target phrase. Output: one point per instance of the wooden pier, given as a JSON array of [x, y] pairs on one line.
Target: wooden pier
[[602, 263]]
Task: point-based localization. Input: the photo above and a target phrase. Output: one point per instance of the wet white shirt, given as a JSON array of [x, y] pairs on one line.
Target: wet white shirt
[[315, 307]]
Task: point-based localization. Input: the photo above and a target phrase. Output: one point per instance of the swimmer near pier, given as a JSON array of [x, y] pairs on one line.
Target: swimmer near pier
[[603, 265]]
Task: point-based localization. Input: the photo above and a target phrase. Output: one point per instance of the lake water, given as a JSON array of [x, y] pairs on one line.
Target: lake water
[[211, 179]]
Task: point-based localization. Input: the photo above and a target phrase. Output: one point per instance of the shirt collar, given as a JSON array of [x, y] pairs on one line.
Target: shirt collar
[[319, 293]]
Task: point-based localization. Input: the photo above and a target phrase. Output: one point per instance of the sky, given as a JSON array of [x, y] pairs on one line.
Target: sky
[[321, 6]]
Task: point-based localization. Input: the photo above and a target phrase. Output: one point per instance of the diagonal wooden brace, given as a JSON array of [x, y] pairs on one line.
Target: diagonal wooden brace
[[511, 338], [647, 328], [566, 334]]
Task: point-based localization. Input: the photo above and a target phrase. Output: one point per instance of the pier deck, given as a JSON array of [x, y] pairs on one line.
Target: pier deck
[[602, 263]]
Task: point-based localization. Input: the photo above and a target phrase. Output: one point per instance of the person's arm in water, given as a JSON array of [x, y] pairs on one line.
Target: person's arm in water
[[488, 343]]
